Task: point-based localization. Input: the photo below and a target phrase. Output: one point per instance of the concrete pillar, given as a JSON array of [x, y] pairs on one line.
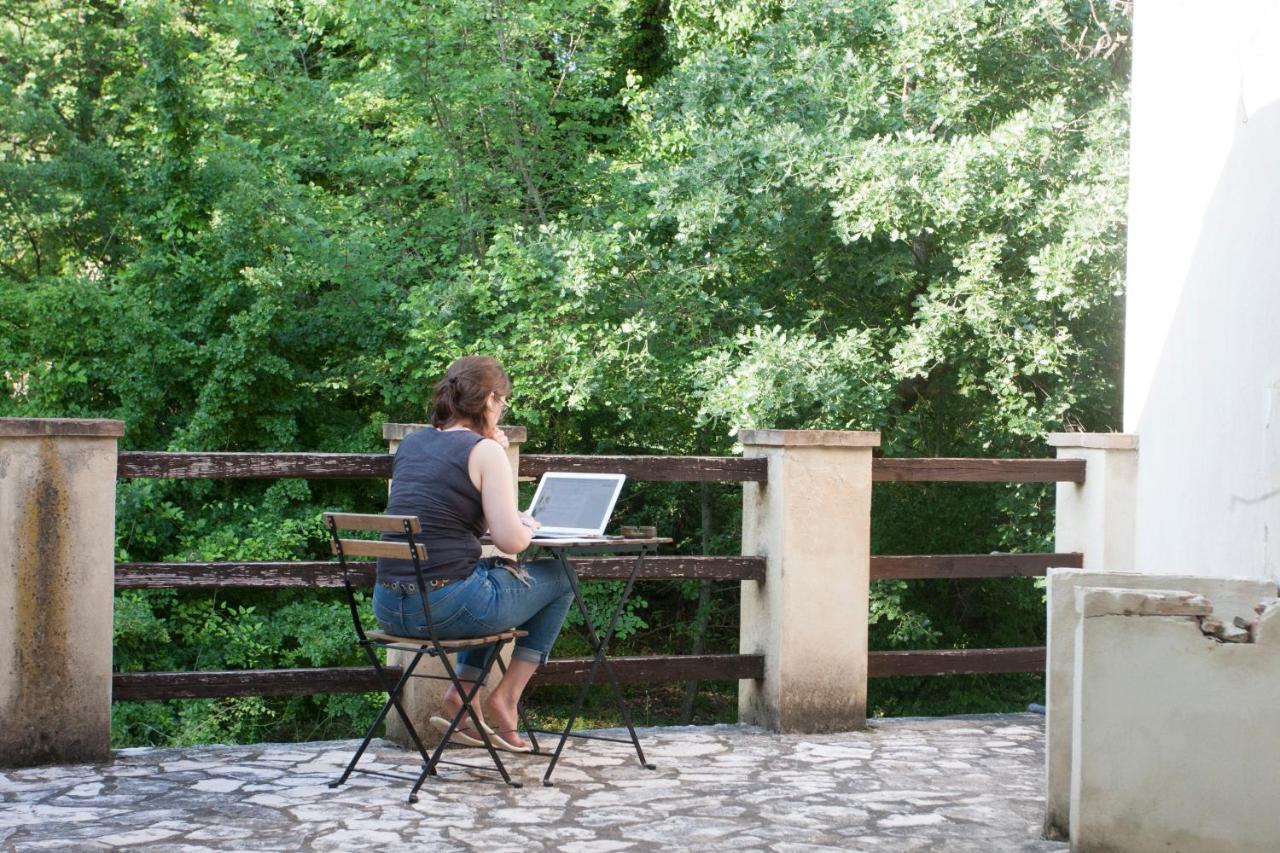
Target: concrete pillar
[[812, 522], [422, 697], [1096, 517], [57, 582]]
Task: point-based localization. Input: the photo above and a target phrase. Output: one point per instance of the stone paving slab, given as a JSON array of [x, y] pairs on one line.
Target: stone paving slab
[[942, 784]]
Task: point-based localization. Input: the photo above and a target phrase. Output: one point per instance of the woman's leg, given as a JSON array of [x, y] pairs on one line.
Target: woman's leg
[[545, 601], [497, 600], [468, 668], [552, 596], [502, 703]]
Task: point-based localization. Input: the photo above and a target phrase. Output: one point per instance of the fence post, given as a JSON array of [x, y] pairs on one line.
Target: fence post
[[57, 550], [423, 698], [812, 523], [1095, 518]]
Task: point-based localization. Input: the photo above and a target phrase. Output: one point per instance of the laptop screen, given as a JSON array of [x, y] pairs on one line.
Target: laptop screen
[[574, 502]]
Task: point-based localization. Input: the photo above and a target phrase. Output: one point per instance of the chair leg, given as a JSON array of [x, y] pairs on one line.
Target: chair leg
[[413, 733], [468, 698], [393, 700]]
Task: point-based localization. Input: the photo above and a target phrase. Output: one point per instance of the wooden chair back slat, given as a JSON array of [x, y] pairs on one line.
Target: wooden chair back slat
[[378, 548], [371, 521]]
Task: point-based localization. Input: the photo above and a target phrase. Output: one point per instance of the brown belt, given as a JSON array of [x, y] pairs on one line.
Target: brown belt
[[410, 586]]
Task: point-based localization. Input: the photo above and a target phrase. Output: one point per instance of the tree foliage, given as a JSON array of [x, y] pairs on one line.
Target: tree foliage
[[270, 225]]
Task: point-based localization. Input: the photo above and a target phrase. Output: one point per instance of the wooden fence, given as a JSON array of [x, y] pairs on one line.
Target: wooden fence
[[326, 574]]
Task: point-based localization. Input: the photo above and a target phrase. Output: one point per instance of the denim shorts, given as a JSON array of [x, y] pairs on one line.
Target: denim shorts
[[489, 600]]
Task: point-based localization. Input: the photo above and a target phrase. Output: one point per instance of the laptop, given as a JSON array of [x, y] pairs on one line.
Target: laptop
[[574, 506]]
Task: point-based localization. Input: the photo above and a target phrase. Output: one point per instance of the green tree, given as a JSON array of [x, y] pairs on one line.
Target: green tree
[[251, 225]]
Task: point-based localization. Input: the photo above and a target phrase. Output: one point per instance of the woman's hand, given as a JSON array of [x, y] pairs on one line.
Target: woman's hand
[[529, 521], [499, 436]]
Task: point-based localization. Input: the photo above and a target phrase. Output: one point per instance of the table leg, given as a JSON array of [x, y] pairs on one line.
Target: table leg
[[608, 667], [599, 647]]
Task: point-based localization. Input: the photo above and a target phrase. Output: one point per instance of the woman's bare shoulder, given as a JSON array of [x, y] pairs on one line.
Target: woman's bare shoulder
[[488, 452]]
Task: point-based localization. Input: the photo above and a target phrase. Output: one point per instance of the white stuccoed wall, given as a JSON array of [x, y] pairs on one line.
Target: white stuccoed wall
[[1202, 371]]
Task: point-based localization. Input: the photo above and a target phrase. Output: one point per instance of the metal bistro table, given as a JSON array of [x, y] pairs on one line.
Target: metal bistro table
[[560, 549]]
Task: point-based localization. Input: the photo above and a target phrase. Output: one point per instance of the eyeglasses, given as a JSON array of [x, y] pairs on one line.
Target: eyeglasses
[[503, 402]]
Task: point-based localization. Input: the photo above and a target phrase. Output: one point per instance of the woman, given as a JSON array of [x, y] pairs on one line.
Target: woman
[[457, 480]]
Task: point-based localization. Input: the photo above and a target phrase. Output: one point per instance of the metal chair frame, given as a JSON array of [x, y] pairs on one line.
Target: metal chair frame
[[431, 646]]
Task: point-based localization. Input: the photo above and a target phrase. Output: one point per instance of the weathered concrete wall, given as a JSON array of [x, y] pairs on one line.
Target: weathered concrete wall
[[57, 581], [1174, 730], [1231, 598], [423, 698], [812, 521]]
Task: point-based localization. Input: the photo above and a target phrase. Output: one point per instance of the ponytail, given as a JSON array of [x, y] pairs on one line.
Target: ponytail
[[465, 388]]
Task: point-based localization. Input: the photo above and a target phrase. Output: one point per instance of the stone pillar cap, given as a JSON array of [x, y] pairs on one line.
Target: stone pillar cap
[[1094, 440], [398, 432], [41, 427], [809, 438]]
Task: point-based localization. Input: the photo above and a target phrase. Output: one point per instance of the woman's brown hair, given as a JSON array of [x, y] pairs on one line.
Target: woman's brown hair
[[462, 393]]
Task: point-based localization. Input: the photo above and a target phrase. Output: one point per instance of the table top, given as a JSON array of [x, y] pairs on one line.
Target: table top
[[597, 542]]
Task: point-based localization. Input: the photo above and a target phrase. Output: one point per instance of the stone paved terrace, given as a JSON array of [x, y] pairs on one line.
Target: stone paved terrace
[[944, 784]]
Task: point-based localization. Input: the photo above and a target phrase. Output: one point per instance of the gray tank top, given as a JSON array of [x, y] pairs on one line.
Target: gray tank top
[[430, 480]]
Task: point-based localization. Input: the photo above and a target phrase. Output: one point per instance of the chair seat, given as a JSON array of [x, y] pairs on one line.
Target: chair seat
[[384, 638]]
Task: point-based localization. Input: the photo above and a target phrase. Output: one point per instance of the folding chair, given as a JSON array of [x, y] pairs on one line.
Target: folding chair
[[430, 647]]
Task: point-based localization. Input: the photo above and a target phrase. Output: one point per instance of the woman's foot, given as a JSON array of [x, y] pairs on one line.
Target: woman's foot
[[503, 717], [465, 732], [453, 704], [457, 734]]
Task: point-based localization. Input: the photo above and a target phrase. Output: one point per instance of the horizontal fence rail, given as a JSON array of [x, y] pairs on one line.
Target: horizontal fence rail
[[141, 686], [687, 469], [653, 669], [323, 574], [326, 574], [978, 470], [920, 567], [277, 575], [253, 466], [321, 466], [145, 686], [955, 662]]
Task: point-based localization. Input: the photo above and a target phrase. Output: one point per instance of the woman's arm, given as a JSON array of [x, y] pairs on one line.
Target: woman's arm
[[491, 473]]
